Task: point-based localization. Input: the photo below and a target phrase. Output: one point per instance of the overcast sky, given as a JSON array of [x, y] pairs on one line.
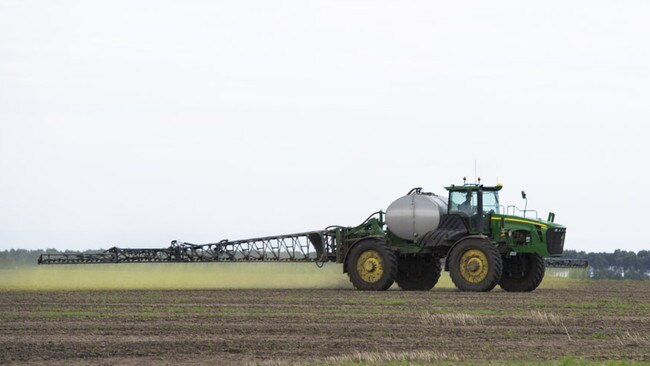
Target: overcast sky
[[133, 123]]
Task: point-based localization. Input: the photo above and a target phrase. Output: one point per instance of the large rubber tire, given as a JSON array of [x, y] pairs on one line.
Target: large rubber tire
[[371, 266], [522, 273], [418, 273], [475, 265]]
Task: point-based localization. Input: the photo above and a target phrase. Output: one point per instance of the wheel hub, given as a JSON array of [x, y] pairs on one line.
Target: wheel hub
[[370, 266], [474, 266]]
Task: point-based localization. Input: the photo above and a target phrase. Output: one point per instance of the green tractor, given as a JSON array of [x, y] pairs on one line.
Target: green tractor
[[480, 244]]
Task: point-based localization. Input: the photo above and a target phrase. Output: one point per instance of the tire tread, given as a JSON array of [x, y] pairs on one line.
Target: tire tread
[[531, 279]]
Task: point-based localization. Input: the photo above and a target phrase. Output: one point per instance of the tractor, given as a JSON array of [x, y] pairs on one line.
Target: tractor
[[469, 232]]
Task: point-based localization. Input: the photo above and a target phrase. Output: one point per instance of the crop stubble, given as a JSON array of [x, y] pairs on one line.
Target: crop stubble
[[594, 320]]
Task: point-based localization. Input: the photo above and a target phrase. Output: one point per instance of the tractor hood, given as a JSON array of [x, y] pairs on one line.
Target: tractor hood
[[539, 236], [527, 220]]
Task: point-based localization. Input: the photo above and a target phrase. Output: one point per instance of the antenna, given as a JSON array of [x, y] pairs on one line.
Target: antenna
[[474, 170]]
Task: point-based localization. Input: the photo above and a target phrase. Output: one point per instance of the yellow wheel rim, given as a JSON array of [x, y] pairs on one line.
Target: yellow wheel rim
[[370, 266], [474, 266]]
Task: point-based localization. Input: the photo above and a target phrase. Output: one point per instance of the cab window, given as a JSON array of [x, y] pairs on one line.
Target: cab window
[[490, 202], [463, 201]]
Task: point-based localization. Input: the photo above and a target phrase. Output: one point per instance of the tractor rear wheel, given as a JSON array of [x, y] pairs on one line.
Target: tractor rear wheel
[[475, 265], [522, 273], [418, 273], [371, 266]]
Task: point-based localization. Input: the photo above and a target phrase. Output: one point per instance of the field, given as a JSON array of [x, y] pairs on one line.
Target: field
[[277, 314]]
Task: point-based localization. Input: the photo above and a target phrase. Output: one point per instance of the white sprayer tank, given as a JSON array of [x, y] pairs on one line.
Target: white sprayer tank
[[414, 215]]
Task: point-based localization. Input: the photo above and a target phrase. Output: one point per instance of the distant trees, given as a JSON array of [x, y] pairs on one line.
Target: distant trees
[[620, 264], [22, 257]]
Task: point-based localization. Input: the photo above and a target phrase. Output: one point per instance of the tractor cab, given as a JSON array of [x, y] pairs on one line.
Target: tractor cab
[[476, 202]]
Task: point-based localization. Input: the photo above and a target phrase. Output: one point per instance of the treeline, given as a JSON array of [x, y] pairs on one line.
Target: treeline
[[620, 264]]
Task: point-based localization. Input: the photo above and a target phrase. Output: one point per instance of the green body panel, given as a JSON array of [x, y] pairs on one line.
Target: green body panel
[[503, 228]]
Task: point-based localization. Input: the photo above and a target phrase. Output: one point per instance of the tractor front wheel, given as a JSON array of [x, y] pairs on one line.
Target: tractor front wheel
[[522, 273], [418, 273], [475, 265], [371, 266]]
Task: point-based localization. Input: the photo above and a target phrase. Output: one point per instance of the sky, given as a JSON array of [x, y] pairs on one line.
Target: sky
[[134, 123]]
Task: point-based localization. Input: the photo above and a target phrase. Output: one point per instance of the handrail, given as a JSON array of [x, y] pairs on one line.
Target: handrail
[[517, 209]]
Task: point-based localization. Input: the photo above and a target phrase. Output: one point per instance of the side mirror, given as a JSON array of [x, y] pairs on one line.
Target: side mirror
[[551, 217], [523, 194]]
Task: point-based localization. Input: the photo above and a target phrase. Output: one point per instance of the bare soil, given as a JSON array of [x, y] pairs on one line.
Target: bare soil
[[595, 320]]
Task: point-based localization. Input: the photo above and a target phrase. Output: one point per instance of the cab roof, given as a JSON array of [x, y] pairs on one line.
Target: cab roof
[[473, 187]]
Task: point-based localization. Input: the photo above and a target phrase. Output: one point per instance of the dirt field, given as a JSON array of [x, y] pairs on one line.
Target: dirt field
[[594, 320]]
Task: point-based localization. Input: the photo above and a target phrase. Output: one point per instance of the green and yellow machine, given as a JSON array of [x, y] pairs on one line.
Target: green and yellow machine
[[479, 241], [470, 232]]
